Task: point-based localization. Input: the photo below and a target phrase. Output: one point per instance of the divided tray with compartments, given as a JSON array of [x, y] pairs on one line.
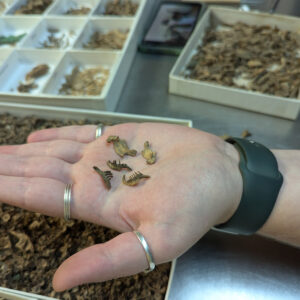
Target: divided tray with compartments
[[221, 94], [59, 40], [61, 113]]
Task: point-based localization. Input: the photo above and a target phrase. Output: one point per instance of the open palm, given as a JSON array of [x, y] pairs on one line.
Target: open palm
[[186, 194]]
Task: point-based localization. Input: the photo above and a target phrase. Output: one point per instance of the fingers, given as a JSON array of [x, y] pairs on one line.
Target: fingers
[[38, 166], [41, 195], [46, 196], [68, 151], [82, 134], [121, 256]]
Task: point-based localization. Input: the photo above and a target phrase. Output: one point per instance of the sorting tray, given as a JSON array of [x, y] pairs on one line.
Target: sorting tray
[[71, 33], [244, 99], [60, 113]]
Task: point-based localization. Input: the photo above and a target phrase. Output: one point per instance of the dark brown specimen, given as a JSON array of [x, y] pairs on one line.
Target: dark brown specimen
[[149, 154], [118, 166], [134, 179], [105, 175], [120, 146]]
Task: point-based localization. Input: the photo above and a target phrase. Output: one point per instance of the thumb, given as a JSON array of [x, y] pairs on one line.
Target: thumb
[[121, 256]]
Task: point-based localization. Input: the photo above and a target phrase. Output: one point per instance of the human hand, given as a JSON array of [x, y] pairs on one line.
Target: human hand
[[194, 185]]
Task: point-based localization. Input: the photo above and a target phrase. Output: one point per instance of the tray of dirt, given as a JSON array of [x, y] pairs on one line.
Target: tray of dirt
[[248, 60], [33, 245], [101, 29]]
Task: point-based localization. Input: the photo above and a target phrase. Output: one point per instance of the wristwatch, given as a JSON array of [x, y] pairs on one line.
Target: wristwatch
[[261, 185]]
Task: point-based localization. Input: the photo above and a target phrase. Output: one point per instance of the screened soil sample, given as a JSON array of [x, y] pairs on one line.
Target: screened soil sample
[[78, 11], [121, 8], [257, 58], [29, 84], [2, 7], [33, 246], [38, 71], [114, 39], [85, 82], [56, 39], [33, 7]]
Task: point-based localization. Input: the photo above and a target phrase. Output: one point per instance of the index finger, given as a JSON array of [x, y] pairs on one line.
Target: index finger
[[79, 133], [83, 133]]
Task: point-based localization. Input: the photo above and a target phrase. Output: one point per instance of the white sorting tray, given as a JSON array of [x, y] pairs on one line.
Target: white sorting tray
[[18, 59], [76, 114], [253, 101]]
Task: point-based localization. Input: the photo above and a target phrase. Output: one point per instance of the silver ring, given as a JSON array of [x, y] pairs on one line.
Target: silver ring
[[147, 251], [99, 130], [67, 202]]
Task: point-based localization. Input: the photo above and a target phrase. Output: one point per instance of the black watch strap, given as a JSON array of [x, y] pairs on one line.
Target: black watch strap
[[261, 184]]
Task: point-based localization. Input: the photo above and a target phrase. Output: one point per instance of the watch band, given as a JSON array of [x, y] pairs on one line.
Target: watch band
[[261, 185]]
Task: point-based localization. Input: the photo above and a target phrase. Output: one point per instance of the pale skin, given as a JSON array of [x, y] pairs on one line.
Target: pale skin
[[194, 185], [284, 222]]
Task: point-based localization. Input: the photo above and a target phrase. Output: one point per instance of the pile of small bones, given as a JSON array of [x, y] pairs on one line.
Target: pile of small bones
[[122, 149]]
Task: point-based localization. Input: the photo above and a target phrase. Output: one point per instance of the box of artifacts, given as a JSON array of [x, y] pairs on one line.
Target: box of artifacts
[[68, 53], [248, 60], [34, 245]]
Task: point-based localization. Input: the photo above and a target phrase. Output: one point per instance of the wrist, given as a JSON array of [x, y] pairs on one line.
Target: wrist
[[284, 222], [234, 182]]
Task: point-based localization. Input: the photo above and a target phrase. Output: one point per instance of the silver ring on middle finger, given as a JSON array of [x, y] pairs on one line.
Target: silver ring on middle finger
[[99, 130]]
